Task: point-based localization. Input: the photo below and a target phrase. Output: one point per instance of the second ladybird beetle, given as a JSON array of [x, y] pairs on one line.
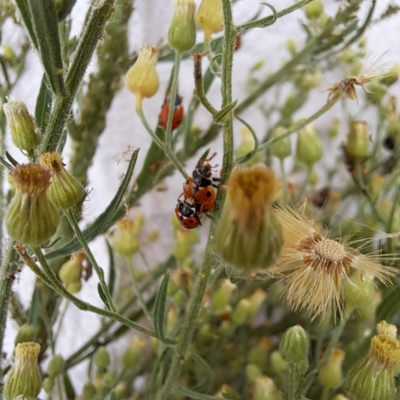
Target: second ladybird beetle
[[187, 213], [202, 175], [178, 115], [205, 196]]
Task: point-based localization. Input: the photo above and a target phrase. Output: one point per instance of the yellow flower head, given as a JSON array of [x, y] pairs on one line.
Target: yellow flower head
[[314, 267], [210, 18]]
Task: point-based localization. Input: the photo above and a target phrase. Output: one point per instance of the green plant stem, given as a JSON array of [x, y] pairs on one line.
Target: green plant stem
[[284, 180], [389, 222], [160, 143], [50, 279], [292, 381], [199, 85], [325, 393], [190, 323], [137, 291], [305, 184], [174, 91], [194, 395], [99, 271], [91, 34]]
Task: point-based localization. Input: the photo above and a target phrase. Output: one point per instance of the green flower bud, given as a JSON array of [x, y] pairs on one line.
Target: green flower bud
[[294, 345], [281, 148], [89, 391], [142, 78], [26, 333], [134, 351], [265, 389], [154, 235], [393, 127], [372, 377], [392, 76], [48, 385], [24, 377], [376, 91], [357, 145], [109, 378], [74, 287], [310, 81], [331, 374], [309, 148], [375, 186], [241, 312], [185, 239], [252, 372], [123, 239], [8, 53], [358, 291], [56, 366], [120, 391], [22, 125], [32, 218], [334, 129], [314, 9], [291, 46], [249, 235], [256, 299], [182, 31], [101, 359], [65, 190], [71, 271], [340, 397], [292, 104], [209, 17], [246, 146], [278, 364], [223, 295]]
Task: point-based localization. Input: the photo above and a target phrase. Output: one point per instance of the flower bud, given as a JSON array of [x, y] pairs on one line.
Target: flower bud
[[88, 391], [309, 148], [376, 184], [48, 385], [71, 271], [8, 53], [74, 287], [281, 148], [24, 378], [278, 364], [241, 312], [32, 218], [123, 239], [142, 78], [383, 328], [377, 91], [154, 235], [56, 366], [291, 46], [340, 397], [314, 9], [373, 376], [334, 129], [248, 234], [223, 295], [134, 351], [101, 359], [22, 125], [209, 17], [252, 372], [120, 391], [357, 144], [256, 299], [65, 190], [265, 389], [246, 146], [358, 290], [294, 345], [330, 374], [392, 76], [26, 333], [182, 31], [258, 355]]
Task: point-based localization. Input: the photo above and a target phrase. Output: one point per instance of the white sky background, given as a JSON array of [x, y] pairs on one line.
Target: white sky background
[[149, 24]]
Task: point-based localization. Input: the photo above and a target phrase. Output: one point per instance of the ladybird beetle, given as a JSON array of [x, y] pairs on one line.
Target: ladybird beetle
[[202, 175], [187, 213], [178, 112], [205, 196]]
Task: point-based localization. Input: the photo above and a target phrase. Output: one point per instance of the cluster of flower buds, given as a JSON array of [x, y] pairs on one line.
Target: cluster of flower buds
[[71, 272]]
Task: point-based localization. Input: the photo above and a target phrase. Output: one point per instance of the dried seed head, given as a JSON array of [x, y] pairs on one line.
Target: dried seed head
[[314, 267]]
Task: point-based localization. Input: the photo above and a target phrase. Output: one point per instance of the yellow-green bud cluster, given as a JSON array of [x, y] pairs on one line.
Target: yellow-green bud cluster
[[124, 238], [32, 218], [248, 234], [182, 31], [22, 126], [65, 190], [24, 378]]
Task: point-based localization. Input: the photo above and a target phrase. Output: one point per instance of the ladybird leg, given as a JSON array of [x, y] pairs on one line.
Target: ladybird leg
[[198, 218], [182, 194]]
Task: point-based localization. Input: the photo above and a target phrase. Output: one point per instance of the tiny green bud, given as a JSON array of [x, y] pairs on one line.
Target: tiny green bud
[[101, 359], [314, 9], [132, 354], [334, 129], [123, 239], [281, 148], [376, 184], [331, 374], [258, 355], [357, 145], [154, 235], [241, 312], [109, 378], [65, 190], [26, 333], [71, 270], [252, 372], [291, 46], [8, 53], [24, 377], [310, 81], [223, 295], [358, 290], [392, 76], [120, 391], [377, 91], [48, 385], [74, 287], [22, 125], [278, 364], [89, 391], [309, 148], [182, 31], [56, 366], [32, 218], [246, 146], [294, 345], [209, 17], [256, 299]]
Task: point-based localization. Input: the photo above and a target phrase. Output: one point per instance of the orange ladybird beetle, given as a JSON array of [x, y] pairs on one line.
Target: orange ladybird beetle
[[187, 213], [178, 112]]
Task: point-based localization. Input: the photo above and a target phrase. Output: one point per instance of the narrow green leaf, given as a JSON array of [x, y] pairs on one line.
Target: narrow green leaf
[[111, 276], [157, 373], [26, 17], [104, 220], [202, 367], [191, 394], [113, 396], [101, 294], [159, 309], [34, 309], [43, 105], [69, 389], [12, 160], [221, 115]]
